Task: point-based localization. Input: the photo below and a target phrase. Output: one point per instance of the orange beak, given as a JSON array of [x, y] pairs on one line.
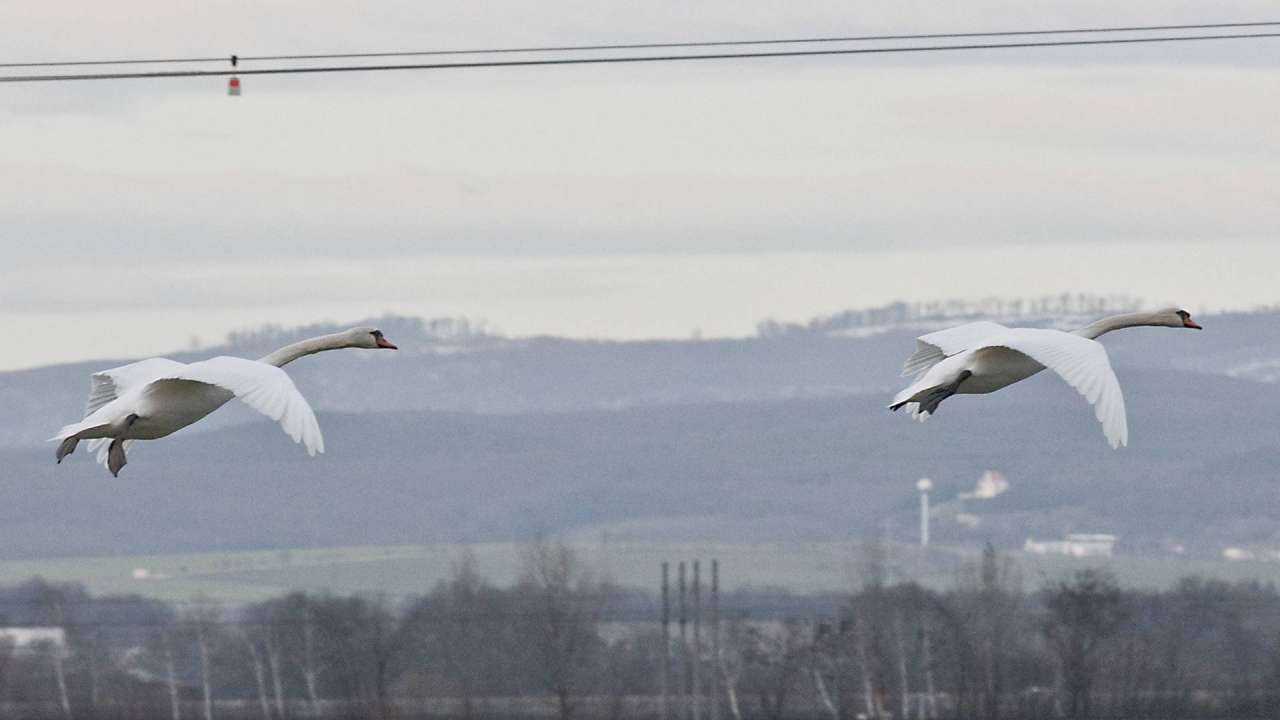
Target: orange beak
[[385, 343], [1191, 324]]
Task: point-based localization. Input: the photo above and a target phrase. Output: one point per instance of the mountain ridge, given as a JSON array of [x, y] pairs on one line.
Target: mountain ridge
[[455, 366], [465, 436]]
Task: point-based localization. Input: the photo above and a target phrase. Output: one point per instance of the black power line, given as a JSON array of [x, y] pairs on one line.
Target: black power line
[[643, 46], [149, 61], [626, 59], [788, 41]]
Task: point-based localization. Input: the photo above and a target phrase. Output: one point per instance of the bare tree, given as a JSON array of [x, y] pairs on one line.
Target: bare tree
[[263, 634], [730, 662], [992, 605], [170, 671], [294, 638], [381, 640], [867, 669], [50, 605], [56, 653], [774, 663], [359, 640], [206, 686], [1084, 611], [273, 649], [204, 618], [308, 656], [871, 612], [460, 623], [559, 602], [904, 679], [829, 652], [259, 671], [929, 709], [89, 649], [6, 660]]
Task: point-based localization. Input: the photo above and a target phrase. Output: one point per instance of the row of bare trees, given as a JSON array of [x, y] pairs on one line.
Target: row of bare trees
[[897, 313], [564, 642]]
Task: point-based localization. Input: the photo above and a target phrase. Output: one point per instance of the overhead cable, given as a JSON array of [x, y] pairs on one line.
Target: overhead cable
[[643, 46], [612, 60]]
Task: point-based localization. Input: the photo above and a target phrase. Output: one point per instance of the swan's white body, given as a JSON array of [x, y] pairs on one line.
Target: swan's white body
[[153, 398], [983, 357]]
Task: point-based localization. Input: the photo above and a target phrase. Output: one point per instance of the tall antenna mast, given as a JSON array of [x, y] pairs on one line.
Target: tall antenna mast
[[924, 485]]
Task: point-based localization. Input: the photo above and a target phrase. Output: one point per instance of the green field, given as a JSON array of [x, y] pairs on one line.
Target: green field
[[401, 570]]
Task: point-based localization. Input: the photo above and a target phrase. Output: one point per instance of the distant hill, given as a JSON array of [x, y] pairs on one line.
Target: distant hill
[[449, 366], [463, 435]]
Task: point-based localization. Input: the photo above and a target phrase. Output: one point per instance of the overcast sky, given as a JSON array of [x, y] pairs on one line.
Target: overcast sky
[[623, 200]]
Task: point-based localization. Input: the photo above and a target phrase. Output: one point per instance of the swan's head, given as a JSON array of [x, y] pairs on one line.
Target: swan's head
[[367, 337], [1177, 317]]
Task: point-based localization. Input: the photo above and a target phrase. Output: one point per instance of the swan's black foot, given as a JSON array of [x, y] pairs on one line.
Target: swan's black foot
[[115, 453], [115, 457], [930, 402], [931, 399], [66, 447]]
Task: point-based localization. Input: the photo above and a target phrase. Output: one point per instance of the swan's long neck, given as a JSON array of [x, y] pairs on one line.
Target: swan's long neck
[[1115, 322], [289, 353]]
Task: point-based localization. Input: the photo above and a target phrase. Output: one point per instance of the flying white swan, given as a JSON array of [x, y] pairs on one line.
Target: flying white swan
[[982, 357], [152, 398]]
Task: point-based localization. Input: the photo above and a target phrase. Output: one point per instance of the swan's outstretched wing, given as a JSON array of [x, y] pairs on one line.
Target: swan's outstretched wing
[[934, 347], [107, 385], [1083, 363], [265, 388]]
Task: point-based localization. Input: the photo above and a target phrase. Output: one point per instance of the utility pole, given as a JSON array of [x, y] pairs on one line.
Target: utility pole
[[684, 647], [665, 681], [715, 640], [697, 641]]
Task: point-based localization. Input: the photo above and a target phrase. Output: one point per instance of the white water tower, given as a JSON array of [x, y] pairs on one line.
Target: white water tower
[[924, 485]]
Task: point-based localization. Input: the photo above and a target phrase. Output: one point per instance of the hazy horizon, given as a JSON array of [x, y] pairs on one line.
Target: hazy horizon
[[630, 201], [621, 297]]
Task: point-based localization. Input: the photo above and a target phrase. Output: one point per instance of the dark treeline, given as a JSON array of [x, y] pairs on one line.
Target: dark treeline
[[995, 308], [564, 642]]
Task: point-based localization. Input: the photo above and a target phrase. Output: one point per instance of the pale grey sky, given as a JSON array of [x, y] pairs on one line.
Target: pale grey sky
[[620, 201]]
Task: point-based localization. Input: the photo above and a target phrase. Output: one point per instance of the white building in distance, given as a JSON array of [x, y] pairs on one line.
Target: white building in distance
[[1075, 545], [33, 639]]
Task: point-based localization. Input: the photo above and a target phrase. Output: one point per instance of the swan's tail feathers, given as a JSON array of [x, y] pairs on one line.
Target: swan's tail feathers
[[68, 431], [905, 396], [924, 401]]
